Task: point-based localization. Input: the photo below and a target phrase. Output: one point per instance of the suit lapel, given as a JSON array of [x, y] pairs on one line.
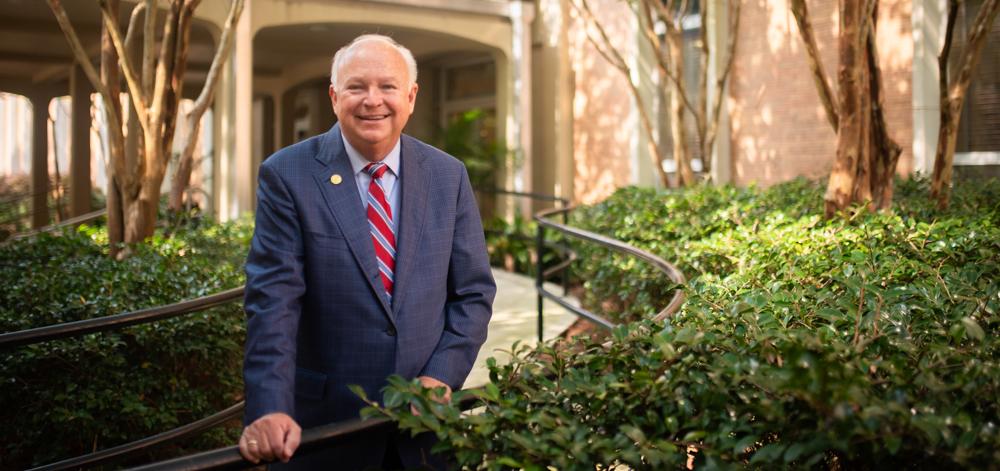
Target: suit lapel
[[345, 205], [412, 206]]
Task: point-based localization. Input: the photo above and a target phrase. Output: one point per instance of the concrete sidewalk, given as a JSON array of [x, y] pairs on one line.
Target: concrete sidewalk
[[515, 317]]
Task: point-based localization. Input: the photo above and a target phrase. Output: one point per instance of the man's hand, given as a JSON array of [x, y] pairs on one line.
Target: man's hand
[[432, 383], [271, 437]]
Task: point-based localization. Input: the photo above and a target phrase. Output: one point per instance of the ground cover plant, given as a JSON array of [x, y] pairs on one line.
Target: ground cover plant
[[860, 342], [65, 398]]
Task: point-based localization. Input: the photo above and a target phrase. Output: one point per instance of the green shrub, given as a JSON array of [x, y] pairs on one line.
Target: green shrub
[[68, 397], [862, 342]]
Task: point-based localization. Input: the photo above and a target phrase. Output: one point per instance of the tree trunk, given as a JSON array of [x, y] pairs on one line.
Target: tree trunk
[[885, 151], [850, 134], [110, 76], [866, 159]]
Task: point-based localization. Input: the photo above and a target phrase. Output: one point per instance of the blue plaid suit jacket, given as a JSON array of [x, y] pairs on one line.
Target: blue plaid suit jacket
[[319, 319]]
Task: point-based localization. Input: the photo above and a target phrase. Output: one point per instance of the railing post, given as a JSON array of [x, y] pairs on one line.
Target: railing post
[[539, 277], [565, 272]]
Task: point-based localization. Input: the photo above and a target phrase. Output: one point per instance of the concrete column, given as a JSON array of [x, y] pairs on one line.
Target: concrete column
[[552, 169], [245, 184], [716, 18], [222, 162], [79, 162], [928, 19], [646, 76], [39, 160], [234, 101], [519, 128]]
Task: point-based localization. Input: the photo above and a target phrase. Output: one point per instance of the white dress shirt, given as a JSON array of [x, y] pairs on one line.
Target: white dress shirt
[[389, 179]]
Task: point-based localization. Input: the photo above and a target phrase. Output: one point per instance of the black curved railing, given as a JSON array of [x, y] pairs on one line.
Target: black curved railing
[[128, 450], [83, 218], [330, 435], [667, 268], [117, 321]]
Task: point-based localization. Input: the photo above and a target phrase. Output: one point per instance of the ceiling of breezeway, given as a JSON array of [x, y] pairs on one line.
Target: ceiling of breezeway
[[281, 47], [34, 51]]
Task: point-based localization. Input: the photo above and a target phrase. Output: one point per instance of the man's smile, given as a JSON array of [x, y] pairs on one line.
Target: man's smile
[[373, 117]]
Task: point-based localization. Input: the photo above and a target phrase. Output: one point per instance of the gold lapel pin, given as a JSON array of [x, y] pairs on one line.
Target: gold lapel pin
[[336, 179]]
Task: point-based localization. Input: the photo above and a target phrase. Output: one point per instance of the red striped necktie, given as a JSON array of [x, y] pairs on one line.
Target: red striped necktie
[[380, 224]]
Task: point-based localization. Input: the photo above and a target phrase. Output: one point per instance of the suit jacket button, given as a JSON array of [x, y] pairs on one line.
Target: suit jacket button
[[391, 331]]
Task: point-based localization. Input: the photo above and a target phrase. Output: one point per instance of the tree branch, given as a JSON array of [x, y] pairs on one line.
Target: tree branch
[[611, 54], [134, 88], [164, 66], [974, 47], [133, 21], [662, 56], [615, 58], [81, 57], [223, 52], [826, 94], [148, 45], [949, 33]]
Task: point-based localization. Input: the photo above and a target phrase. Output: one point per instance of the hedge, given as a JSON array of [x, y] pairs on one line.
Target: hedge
[[69, 397], [861, 342]]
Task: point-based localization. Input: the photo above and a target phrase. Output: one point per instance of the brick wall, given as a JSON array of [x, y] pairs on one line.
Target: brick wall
[[602, 105]]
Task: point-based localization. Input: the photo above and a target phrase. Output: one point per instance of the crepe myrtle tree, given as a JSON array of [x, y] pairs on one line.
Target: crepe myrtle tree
[[154, 78], [953, 89], [866, 156], [668, 47]]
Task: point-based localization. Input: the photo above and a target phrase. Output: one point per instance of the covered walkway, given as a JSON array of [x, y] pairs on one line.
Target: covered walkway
[[515, 317]]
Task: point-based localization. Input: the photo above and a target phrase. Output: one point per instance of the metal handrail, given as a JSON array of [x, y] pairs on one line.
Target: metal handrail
[[127, 450], [68, 222], [535, 196], [313, 439], [667, 268], [117, 321]]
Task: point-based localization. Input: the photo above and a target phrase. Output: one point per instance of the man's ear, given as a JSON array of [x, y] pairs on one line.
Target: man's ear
[[412, 96], [333, 97]]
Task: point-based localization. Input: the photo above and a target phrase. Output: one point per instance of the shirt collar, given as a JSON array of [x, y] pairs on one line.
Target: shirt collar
[[358, 163]]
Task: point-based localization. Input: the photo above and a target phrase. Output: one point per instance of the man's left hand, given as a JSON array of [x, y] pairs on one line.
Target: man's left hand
[[433, 383]]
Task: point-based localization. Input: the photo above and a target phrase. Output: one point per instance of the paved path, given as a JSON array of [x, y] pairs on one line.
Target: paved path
[[515, 318]]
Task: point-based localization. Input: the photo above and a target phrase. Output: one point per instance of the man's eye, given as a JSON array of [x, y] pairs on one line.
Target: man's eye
[[388, 87]]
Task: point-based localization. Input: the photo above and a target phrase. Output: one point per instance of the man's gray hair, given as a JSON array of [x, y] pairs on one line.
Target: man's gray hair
[[342, 53]]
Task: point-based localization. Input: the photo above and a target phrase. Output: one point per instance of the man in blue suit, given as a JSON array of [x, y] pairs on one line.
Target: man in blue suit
[[367, 260]]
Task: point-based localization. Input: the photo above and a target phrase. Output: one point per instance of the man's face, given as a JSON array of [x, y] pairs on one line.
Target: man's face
[[373, 98]]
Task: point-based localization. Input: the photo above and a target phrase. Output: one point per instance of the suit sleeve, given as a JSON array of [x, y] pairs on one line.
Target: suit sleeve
[[471, 289], [273, 300]]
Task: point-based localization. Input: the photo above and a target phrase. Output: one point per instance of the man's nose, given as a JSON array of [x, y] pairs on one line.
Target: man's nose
[[374, 97]]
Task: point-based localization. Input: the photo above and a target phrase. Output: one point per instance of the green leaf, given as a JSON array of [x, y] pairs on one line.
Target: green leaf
[[743, 444], [972, 328], [694, 436], [359, 391], [794, 452], [892, 443]]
